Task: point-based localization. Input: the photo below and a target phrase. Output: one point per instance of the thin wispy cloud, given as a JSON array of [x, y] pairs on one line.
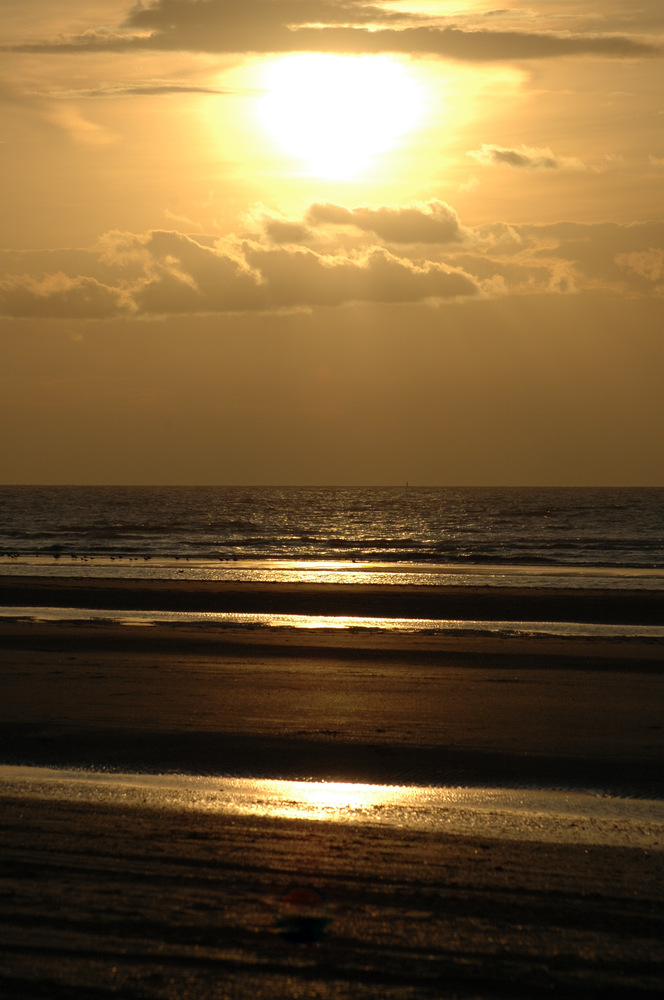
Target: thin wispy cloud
[[271, 26], [524, 158], [134, 90]]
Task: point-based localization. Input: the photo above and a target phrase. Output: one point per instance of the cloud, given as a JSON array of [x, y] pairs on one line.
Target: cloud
[[284, 231], [261, 26], [626, 258], [59, 296], [566, 256], [500, 277], [156, 89], [648, 265], [305, 278], [180, 275], [473, 46], [165, 272], [174, 217], [187, 277], [221, 25], [56, 113], [420, 222], [524, 158], [79, 129]]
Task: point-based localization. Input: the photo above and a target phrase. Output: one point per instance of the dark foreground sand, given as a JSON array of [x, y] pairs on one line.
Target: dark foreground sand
[[104, 903], [100, 902]]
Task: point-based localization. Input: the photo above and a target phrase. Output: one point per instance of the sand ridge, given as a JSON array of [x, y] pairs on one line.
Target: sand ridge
[[121, 900]]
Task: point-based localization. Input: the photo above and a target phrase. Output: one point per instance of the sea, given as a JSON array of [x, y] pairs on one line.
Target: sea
[[499, 537], [604, 537], [571, 538]]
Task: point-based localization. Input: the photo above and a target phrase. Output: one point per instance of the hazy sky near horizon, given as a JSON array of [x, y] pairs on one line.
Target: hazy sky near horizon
[[332, 242]]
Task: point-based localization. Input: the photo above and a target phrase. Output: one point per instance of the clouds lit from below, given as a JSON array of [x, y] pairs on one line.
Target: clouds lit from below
[[334, 114]]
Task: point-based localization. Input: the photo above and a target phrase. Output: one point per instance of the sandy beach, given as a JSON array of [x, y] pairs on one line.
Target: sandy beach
[[571, 604], [334, 706], [134, 903], [101, 902]]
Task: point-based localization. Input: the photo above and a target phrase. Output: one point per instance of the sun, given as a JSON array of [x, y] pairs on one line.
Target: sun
[[335, 114]]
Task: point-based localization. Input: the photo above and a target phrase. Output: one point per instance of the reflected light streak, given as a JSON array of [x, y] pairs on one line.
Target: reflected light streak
[[538, 815], [333, 800], [331, 571], [430, 628], [313, 622]]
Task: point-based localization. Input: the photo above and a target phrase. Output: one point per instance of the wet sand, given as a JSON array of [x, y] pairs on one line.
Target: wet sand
[[336, 705], [638, 607], [171, 905], [101, 902]]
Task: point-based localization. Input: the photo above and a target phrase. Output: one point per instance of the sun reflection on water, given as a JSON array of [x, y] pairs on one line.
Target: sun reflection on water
[[313, 621], [517, 814], [326, 800]]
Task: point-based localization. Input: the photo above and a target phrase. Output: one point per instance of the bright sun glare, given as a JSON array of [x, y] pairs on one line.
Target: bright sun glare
[[335, 113]]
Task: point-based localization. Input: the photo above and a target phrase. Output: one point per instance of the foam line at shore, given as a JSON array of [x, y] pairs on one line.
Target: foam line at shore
[[310, 571]]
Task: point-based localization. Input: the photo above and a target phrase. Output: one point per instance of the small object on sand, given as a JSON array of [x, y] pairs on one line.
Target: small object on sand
[[303, 914]]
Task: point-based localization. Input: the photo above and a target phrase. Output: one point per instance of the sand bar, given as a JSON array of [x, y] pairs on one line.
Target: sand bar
[[337, 704], [428, 710], [112, 899], [641, 607]]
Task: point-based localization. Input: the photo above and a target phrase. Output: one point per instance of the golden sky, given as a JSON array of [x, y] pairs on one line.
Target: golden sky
[[332, 242]]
